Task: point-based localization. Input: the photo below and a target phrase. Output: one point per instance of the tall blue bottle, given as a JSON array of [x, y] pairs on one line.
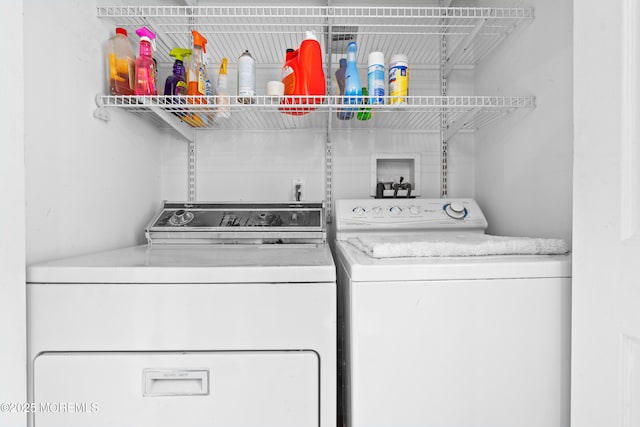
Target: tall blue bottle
[[352, 89]]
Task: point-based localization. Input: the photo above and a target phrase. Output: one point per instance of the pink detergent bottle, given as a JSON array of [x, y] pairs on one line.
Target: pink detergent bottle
[[145, 65]]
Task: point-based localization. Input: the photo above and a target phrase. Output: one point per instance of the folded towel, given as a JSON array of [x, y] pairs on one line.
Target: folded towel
[[456, 245]]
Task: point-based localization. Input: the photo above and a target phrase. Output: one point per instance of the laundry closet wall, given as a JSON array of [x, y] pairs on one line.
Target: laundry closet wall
[[524, 165]]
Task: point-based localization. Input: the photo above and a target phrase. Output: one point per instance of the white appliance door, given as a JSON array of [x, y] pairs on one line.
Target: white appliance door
[[460, 353], [197, 389]]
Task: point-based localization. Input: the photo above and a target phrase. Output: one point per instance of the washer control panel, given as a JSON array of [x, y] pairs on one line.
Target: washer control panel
[[408, 214]]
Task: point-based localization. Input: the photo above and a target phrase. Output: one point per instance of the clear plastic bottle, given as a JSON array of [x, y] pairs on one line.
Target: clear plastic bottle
[[122, 64], [196, 77], [145, 66], [222, 92]]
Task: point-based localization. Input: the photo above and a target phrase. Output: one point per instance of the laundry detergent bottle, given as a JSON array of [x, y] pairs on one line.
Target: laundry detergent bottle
[[312, 81], [352, 89], [303, 72], [145, 66], [122, 64]]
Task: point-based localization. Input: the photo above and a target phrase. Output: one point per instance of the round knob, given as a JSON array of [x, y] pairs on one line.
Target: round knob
[[457, 207], [455, 210], [395, 210], [377, 210], [359, 211], [414, 210], [181, 217]]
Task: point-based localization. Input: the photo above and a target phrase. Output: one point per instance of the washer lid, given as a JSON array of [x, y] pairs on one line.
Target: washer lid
[[360, 267], [296, 263]]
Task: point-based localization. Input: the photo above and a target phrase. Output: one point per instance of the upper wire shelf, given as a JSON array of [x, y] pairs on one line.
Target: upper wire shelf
[[472, 32]]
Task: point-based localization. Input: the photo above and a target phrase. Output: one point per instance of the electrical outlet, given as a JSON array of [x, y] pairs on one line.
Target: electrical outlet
[[298, 189]]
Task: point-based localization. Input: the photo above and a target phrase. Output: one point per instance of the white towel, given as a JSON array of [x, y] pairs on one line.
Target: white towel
[[456, 245]]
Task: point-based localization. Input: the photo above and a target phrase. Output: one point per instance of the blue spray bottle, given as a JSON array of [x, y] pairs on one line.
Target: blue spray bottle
[[352, 88]]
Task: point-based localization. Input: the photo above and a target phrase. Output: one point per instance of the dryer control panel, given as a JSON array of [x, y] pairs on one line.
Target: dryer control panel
[[360, 215]]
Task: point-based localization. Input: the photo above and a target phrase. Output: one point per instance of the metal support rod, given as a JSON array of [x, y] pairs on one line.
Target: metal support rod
[[191, 170], [443, 114], [328, 146]]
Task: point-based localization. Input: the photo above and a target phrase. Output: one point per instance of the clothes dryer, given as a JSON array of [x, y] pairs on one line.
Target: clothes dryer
[[226, 318]]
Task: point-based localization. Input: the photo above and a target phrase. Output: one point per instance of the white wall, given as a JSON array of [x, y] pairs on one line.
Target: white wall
[[91, 185], [13, 375], [524, 164]]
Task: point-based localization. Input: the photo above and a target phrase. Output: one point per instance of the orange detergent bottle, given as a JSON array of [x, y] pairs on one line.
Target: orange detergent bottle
[[304, 73]]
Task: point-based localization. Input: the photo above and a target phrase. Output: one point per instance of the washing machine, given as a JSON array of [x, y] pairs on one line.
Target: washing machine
[[442, 325], [227, 317]]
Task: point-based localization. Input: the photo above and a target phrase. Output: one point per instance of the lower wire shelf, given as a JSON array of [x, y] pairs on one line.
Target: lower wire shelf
[[422, 113]]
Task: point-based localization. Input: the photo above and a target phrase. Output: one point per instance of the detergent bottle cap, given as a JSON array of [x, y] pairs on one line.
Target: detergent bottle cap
[[122, 31], [179, 53], [199, 40], [311, 35]]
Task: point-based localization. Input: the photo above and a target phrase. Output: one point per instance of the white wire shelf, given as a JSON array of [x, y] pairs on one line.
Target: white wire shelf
[[418, 113], [472, 33]]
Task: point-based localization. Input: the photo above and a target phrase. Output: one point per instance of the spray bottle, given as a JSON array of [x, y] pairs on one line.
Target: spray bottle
[[176, 84], [196, 74], [222, 91], [145, 82], [352, 89]]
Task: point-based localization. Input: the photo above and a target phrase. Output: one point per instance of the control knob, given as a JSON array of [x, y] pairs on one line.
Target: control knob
[[181, 217], [395, 210], [359, 211], [414, 210], [456, 210]]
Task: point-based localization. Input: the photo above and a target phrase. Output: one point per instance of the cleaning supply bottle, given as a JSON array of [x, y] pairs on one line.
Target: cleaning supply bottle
[[341, 73], [398, 79], [364, 113], [352, 88], [196, 75], [288, 74], [312, 81], [246, 78], [145, 81], [122, 64], [176, 84], [375, 78], [196, 72], [303, 76], [222, 92]]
